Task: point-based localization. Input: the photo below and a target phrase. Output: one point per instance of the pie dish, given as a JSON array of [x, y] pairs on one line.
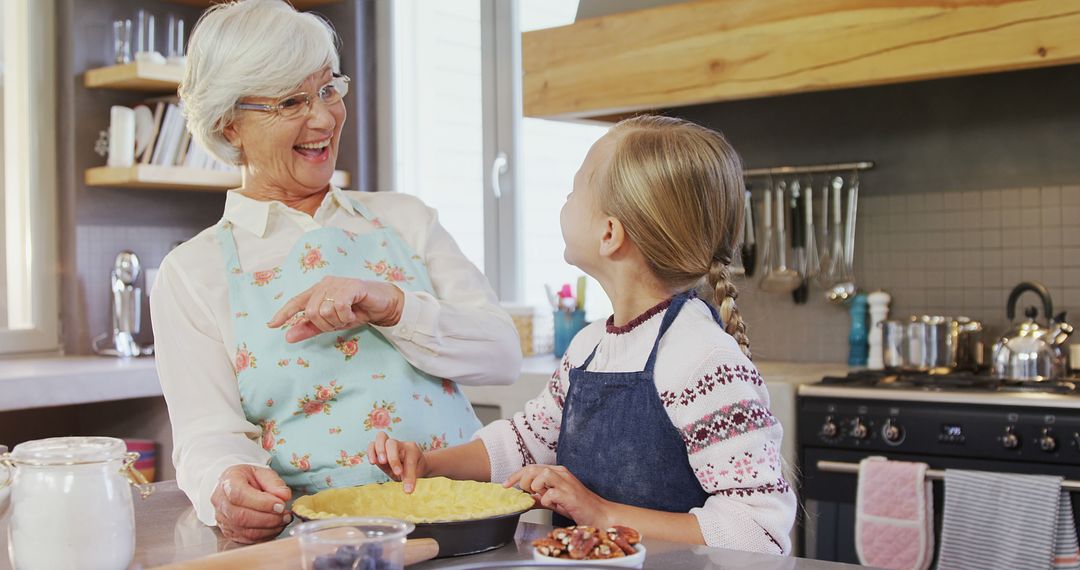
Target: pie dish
[[434, 500]]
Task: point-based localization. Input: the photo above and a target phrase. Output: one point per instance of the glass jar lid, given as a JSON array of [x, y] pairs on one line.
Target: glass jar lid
[[68, 451]]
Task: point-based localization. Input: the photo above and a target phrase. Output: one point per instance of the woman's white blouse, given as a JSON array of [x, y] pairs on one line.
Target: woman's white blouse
[[460, 333]]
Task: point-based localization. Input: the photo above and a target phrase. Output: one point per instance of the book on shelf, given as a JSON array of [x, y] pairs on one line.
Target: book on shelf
[[172, 143]]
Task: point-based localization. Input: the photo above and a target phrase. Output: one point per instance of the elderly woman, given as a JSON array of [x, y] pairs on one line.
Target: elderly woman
[[308, 319]]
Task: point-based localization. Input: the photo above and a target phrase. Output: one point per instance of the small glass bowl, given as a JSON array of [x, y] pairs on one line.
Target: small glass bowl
[[353, 543]]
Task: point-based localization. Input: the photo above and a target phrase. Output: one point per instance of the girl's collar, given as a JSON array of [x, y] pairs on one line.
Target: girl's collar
[[648, 314]]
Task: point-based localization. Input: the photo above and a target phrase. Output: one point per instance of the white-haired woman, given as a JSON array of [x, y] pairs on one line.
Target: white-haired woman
[[308, 319]]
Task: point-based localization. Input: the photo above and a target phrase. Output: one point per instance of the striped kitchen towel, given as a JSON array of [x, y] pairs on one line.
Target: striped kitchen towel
[[1066, 551], [999, 520]]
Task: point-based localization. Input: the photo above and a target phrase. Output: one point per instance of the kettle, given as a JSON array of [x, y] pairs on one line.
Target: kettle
[[1030, 351]]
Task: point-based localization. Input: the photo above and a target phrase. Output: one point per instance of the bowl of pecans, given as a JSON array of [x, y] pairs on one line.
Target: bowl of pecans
[[617, 546]]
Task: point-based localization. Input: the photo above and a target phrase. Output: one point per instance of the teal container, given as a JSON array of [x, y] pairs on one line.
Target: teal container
[[567, 324], [858, 339]]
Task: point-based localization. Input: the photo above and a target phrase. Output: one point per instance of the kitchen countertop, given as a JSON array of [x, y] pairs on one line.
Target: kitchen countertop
[[167, 531], [27, 383]]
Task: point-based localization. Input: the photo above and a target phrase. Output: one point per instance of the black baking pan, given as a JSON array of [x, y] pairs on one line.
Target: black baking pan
[[459, 538]]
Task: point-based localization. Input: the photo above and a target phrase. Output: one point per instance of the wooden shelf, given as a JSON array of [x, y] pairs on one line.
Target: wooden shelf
[[708, 51], [298, 4], [176, 178], [135, 76]]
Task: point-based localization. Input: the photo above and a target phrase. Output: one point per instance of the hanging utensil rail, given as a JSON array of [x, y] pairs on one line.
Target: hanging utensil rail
[[932, 474], [808, 169]]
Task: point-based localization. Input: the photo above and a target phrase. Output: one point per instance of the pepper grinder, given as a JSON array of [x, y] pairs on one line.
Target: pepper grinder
[[879, 311], [126, 311]]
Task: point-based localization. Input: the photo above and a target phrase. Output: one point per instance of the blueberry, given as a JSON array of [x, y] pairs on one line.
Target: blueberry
[[345, 559], [327, 562], [371, 550], [349, 549]]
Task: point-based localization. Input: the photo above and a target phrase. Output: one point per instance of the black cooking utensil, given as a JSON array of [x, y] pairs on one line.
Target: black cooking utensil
[[749, 246]]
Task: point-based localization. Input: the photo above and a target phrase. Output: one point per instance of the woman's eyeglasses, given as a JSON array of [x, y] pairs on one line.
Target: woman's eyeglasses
[[293, 105]]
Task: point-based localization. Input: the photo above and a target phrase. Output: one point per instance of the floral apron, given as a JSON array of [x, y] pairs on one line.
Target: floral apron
[[319, 402]]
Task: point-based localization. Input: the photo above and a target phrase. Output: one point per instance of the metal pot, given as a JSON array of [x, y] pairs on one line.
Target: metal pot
[[1030, 351], [930, 344], [969, 344], [892, 344], [940, 344]]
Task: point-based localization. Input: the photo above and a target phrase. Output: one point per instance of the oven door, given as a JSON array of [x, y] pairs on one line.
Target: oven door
[[828, 521]]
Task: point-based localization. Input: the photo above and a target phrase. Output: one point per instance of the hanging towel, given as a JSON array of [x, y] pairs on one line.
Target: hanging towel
[[999, 520], [894, 515], [1066, 554]]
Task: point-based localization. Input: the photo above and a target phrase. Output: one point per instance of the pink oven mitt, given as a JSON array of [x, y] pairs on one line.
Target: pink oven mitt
[[894, 515]]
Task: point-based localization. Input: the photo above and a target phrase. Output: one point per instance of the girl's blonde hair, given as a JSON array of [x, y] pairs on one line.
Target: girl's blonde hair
[[677, 188]]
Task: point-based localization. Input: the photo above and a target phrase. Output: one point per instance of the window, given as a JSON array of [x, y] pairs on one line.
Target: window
[[438, 125], [438, 139], [28, 281]]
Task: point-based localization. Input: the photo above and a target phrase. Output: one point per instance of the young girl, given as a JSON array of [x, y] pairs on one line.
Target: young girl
[[656, 419]]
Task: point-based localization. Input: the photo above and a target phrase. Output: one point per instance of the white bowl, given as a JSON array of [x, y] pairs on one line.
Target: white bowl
[[633, 561]]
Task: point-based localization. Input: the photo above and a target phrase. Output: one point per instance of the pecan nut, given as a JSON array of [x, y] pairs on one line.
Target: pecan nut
[[549, 547], [582, 542], [625, 537], [606, 549]]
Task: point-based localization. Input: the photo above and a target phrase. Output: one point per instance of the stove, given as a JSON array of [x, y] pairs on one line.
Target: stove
[[949, 421]]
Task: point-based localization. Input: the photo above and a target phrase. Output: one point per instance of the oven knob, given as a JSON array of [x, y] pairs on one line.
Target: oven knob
[[829, 429], [858, 429], [1047, 442], [1010, 440], [892, 432]]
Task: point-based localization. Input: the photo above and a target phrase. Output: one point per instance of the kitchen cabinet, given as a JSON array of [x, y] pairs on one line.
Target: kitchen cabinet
[[707, 51]]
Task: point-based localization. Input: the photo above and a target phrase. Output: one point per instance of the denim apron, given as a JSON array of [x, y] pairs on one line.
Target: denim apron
[[319, 402], [618, 440]]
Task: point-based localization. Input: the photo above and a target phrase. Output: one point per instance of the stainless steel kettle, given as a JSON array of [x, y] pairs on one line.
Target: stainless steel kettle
[[1030, 351]]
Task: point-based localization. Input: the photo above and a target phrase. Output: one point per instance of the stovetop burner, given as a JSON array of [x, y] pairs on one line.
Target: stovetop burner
[[952, 382]]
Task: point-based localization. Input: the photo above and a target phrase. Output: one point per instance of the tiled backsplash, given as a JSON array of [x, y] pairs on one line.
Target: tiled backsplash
[[97, 250], [947, 253]]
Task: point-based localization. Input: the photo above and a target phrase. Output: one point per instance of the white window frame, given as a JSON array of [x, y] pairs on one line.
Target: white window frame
[[29, 191], [501, 55]]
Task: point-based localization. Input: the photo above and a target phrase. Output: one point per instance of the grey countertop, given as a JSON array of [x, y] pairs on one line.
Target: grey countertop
[[167, 531]]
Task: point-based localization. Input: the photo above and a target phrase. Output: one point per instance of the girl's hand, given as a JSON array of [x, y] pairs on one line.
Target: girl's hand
[[400, 460], [250, 504], [339, 303], [556, 488]]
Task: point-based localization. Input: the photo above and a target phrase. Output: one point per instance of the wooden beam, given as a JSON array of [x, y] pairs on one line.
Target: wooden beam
[[719, 50]]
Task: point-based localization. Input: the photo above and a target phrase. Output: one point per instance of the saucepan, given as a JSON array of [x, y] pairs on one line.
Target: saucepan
[[932, 343]]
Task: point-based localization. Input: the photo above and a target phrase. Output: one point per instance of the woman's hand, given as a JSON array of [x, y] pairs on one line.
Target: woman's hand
[[400, 460], [250, 504], [555, 488], [339, 303]]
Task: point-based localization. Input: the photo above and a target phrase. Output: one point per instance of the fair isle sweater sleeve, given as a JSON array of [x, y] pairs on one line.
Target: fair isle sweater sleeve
[[733, 443], [532, 435]]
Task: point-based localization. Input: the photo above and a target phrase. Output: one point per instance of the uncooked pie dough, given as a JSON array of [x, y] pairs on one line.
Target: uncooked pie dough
[[434, 500]]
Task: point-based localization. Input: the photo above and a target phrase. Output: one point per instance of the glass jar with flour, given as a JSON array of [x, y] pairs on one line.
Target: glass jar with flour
[[70, 504]]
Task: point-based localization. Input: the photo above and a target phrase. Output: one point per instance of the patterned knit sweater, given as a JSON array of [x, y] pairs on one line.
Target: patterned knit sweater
[[713, 395]]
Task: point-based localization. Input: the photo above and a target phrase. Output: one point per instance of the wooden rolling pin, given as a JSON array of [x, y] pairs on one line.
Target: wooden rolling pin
[[284, 554]]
